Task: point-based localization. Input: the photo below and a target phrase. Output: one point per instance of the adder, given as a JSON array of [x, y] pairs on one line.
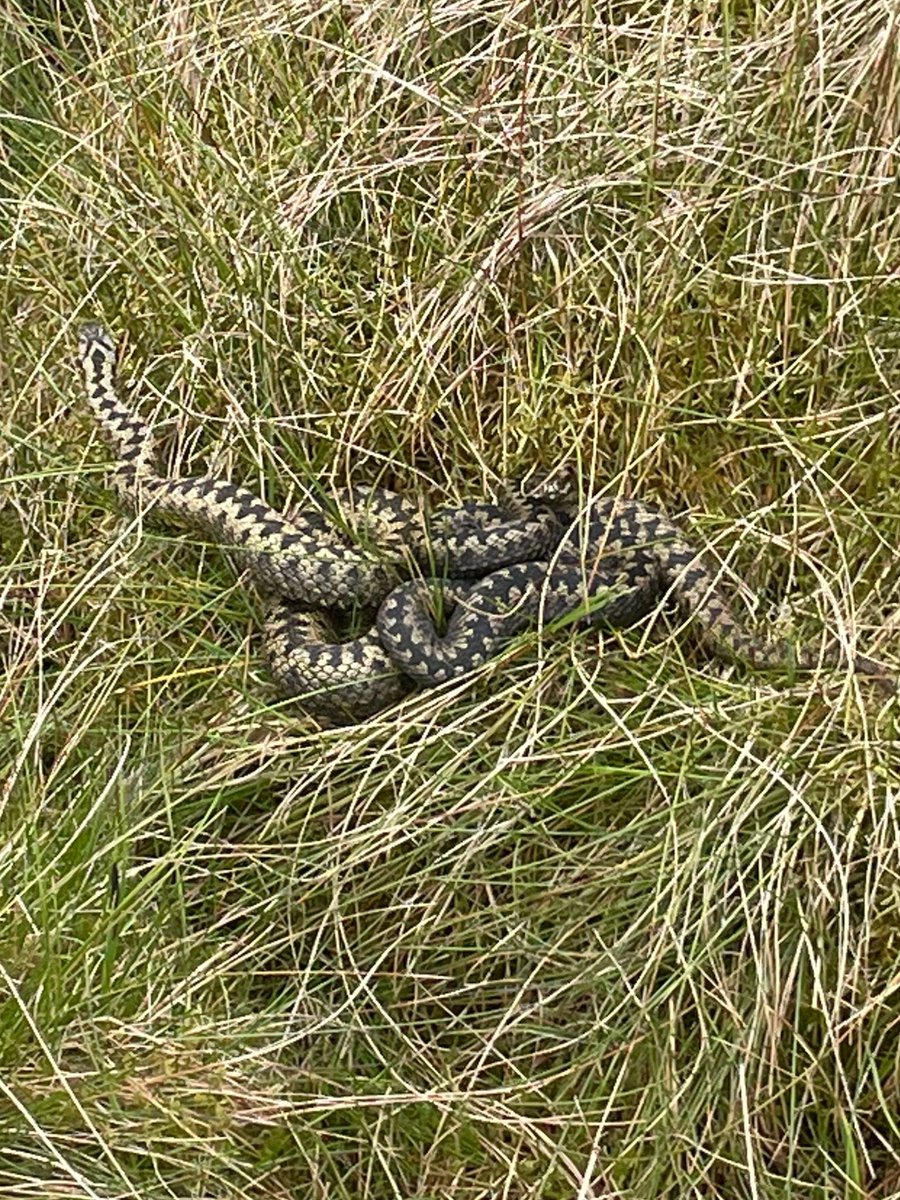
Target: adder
[[495, 570]]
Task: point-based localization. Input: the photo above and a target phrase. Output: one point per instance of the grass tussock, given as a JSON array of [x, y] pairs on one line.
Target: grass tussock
[[587, 925]]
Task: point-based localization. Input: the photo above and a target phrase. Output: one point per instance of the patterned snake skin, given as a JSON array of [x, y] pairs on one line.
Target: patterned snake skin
[[493, 571]]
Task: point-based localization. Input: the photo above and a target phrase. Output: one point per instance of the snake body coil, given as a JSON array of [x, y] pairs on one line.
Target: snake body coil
[[496, 571]]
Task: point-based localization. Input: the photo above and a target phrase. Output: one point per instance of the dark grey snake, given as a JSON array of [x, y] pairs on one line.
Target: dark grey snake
[[495, 570]]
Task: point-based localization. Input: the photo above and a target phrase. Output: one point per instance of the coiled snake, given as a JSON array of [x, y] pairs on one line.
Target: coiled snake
[[496, 570]]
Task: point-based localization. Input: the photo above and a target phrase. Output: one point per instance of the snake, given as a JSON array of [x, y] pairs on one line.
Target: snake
[[372, 561]]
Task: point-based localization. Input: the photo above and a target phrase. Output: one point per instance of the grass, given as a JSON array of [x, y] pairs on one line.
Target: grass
[[618, 924]]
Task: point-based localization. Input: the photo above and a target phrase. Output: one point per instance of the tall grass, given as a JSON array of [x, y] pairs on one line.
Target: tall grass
[[599, 921]]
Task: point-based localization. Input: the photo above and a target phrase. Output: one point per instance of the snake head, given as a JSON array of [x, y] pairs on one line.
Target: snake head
[[93, 334], [96, 349]]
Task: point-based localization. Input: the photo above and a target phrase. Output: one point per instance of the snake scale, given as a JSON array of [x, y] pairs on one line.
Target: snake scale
[[494, 571]]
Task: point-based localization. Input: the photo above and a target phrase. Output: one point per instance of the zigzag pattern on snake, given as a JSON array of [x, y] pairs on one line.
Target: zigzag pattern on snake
[[495, 570]]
